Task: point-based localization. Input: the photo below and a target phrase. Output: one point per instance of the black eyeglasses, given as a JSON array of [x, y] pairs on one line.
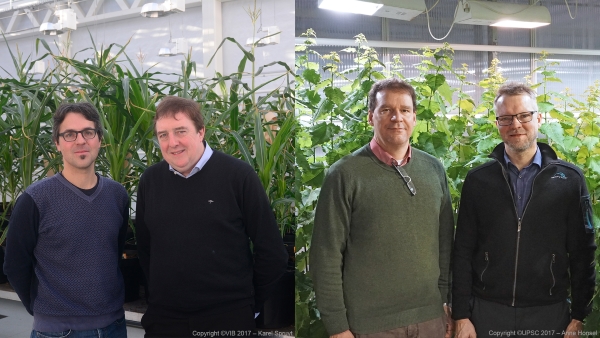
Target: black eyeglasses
[[71, 135], [406, 179], [507, 120]]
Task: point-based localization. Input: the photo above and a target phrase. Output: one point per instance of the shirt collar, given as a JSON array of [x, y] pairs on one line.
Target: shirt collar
[[385, 157], [203, 159], [537, 158]]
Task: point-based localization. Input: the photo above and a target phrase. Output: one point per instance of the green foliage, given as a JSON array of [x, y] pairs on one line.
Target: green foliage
[[257, 129], [451, 125]]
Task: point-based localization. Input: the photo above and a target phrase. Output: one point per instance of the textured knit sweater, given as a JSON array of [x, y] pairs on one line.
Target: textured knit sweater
[[380, 258], [62, 253], [194, 238]]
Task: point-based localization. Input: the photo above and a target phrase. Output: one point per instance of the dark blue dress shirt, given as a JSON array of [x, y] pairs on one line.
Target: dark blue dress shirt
[[522, 181]]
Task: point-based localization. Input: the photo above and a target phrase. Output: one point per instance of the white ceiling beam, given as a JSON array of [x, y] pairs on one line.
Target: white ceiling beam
[[136, 3], [122, 5], [31, 17], [48, 15], [78, 11], [83, 21], [13, 20], [96, 4]]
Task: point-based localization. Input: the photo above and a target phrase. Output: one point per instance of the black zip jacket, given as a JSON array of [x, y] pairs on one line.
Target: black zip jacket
[[525, 262]]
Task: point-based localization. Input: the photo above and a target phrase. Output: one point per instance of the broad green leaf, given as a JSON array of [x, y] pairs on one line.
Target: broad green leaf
[[336, 95], [434, 81], [566, 117], [433, 144], [594, 164], [313, 97], [549, 73], [542, 98], [420, 127], [446, 92], [378, 75], [466, 105], [312, 65], [425, 114], [311, 76], [323, 132], [484, 146], [571, 143], [582, 155], [553, 131], [590, 142], [544, 107]]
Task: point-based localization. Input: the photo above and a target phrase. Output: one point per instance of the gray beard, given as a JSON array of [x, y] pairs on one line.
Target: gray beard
[[520, 149]]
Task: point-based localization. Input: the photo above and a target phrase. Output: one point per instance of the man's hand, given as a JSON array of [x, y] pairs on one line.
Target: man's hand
[[465, 329], [345, 334], [449, 322], [575, 326]]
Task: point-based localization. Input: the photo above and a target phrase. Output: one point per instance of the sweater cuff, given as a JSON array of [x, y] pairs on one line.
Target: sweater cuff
[[459, 311], [577, 315], [335, 322], [445, 294]]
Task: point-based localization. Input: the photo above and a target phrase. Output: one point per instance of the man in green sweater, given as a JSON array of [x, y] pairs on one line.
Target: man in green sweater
[[381, 246]]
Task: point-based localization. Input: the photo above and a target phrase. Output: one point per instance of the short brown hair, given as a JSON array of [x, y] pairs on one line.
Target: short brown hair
[[84, 108], [513, 89], [391, 84], [169, 106]]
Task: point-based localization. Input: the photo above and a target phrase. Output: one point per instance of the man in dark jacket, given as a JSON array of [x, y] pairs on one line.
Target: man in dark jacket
[[524, 235]]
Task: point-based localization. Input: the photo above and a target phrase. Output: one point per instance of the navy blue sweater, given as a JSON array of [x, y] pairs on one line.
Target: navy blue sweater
[[62, 253], [194, 238]]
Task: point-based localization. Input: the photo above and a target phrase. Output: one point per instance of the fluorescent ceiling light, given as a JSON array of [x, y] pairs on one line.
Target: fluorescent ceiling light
[[392, 9], [519, 24], [501, 14], [350, 6]]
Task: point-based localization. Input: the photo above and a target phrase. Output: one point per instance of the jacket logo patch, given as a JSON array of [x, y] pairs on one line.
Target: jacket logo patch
[[210, 201], [560, 175]]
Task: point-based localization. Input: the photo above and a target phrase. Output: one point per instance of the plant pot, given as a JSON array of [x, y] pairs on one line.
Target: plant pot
[[131, 270], [278, 311]]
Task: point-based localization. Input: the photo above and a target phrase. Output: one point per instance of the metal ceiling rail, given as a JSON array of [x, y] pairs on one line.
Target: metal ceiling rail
[[463, 47]]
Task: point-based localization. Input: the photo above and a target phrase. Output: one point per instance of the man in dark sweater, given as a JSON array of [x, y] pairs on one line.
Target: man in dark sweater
[[65, 237], [380, 254], [198, 212], [524, 248]]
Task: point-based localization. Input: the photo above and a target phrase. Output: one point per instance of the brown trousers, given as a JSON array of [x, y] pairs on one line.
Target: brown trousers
[[435, 328]]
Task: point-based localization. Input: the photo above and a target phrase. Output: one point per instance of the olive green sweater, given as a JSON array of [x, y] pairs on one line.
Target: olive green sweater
[[380, 258]]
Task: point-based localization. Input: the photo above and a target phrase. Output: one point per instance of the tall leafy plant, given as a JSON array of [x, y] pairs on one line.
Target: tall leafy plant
[[453, 126]]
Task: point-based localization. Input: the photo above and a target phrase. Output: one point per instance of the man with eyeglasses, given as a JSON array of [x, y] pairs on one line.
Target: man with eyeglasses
[[66, 235], [383, 231], [524, 248]]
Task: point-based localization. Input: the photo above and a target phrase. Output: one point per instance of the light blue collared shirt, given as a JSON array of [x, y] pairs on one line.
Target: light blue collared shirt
[[522, 181], [205, 157]]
